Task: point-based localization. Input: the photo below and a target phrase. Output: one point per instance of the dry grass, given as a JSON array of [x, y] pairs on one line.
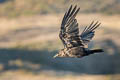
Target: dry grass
[[50, 75], [49, 25]]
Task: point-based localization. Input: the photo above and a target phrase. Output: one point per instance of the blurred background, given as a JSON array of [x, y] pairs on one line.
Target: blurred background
[[29, 39]]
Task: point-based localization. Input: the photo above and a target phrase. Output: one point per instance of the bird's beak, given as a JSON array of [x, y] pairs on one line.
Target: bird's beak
[[55, 56]]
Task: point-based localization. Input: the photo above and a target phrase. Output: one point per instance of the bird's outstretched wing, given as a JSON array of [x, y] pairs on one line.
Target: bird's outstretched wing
[[69, 33], [88, 32]]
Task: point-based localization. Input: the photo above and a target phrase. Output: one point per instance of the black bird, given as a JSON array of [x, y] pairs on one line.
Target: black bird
[[74, 43]]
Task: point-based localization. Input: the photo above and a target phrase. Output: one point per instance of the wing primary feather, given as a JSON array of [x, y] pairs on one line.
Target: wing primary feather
[[63, 21], [96, 27], [73, 16], [68, 14], [87, 27], [73, 10], [90, 29], [65, 18], [76, 12], [90, 25], [84, 30]]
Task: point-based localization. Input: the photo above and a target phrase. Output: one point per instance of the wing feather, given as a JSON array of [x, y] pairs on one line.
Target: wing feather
[[88, 32], [69, 33]]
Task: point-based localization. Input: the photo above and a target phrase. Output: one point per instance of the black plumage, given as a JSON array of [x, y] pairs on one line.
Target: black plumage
[[74, 43]]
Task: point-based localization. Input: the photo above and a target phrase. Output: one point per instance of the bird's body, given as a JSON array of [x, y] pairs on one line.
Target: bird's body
[[76, 52], [71, 52], [74, 43]]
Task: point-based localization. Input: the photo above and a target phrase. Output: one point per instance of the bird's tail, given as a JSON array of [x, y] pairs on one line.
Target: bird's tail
[[96, 51]]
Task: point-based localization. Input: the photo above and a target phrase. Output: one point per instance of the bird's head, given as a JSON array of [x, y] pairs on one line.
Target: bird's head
[[61, 53]]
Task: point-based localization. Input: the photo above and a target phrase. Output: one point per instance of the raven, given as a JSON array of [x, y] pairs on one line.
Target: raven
[[74, 43]]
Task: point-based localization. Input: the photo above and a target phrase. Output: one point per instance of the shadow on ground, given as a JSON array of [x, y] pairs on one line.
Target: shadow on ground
[[38, 60]]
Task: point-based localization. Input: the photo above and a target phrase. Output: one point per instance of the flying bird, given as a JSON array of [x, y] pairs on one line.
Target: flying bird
[[74, 43]]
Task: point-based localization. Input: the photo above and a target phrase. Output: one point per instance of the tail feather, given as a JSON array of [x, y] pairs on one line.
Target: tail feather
[[96, 51]]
